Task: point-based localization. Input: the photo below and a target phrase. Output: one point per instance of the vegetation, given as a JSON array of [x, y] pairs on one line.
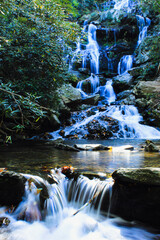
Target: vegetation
[[34, 39]]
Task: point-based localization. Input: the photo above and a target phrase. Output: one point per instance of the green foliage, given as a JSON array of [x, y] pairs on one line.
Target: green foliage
[[150, 5], [18, 112], [33, 42]]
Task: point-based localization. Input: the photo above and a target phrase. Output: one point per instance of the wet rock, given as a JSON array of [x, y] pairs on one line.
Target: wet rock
[[122, 82], [4, 221], [99, 131], [136, 195], [65, 147], [91, 100], [12, 188], [151, 147], [92, 147], [123, 94], [84, 71]]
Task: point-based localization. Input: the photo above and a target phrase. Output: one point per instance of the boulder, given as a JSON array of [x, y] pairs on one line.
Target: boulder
[[69, 95], [136, 195], [65, 147], [151, 147], [12, 188], [122, 82], [148, 100], [91, 100], [97, 130], [124, 94]]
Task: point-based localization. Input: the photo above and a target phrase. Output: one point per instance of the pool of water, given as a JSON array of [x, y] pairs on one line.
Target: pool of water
[[38, 158]]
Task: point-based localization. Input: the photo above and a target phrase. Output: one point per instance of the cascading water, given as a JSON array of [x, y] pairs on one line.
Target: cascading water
[[125, 64], [127, 120], [63, 219], [92, 50], [143, 24]]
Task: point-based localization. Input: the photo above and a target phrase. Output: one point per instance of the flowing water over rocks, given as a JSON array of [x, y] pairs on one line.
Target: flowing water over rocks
[[108, 118], [71, 209]]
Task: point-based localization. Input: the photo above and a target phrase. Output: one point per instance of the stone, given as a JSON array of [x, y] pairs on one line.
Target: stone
[[122, 82], [123, 94], [136, 195], [148, 50], [150, 147], [91, 100], [69, 95], [65, 147], [140, 176], [93, 147], [148, 100], [4, 221], [12, 188]]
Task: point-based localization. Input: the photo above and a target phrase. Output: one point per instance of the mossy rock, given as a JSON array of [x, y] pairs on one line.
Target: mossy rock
[[148, 50], [145, 176]]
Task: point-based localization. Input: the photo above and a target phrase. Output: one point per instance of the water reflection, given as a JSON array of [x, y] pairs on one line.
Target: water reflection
[[36, 158]]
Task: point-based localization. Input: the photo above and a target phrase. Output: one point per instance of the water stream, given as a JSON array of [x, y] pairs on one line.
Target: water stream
[[60, 218]]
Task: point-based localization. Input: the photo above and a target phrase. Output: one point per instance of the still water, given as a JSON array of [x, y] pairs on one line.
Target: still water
[[36, 158]]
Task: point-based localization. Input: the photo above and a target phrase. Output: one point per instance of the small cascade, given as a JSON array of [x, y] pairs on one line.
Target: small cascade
[[90, 199], [107, 92], [125, 64], [110, 63], [93, 81], [83, 190], [129, 123], [143, 24]]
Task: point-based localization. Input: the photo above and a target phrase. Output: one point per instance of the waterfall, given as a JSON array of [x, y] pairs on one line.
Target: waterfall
[[93, 80], [125, 64], [107, 92], [59, 221], [124, 4], [92, 50], [143, 24], [83, 190], [129, 118]]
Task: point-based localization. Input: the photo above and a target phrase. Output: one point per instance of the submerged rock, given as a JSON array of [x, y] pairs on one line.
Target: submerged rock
[[93, 147]]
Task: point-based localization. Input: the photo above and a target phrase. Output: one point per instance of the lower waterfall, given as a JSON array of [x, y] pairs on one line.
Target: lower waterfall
[[57, 220]]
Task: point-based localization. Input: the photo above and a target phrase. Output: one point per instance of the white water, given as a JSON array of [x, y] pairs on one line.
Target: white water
[[143, 24], [125, 64], [60, 223], [129, 119], [124, 4], [94, 84], [92, 50]]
